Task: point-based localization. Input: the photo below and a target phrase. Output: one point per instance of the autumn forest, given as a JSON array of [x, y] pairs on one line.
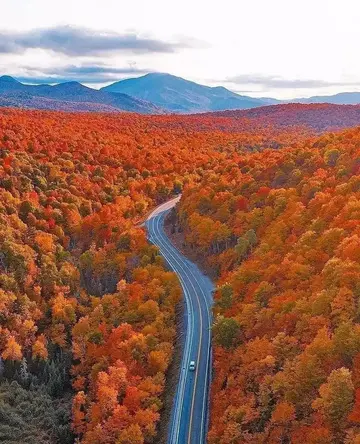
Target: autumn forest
[[89, 309]]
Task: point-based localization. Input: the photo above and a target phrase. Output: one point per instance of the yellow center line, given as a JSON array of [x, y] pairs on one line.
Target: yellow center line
[[196, 373]]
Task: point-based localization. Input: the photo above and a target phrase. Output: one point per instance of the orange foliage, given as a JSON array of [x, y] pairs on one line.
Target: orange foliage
[[78, 278], [284, 238]]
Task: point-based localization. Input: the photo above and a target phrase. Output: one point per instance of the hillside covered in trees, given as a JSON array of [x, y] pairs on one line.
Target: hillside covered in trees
[[87, 305], [281, 229]]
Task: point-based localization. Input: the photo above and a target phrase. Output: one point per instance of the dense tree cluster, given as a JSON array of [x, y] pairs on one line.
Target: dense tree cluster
[[318, 117], [87, 307], [282, 228], [78, 277]]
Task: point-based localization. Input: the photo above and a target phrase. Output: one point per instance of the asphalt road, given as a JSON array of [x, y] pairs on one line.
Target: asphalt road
[[189, 414]]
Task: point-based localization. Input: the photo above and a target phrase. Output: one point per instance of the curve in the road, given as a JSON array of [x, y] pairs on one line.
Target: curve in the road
[[189, 413]]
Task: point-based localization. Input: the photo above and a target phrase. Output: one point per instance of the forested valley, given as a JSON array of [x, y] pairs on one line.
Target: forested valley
[[280, 229], [87, 304]]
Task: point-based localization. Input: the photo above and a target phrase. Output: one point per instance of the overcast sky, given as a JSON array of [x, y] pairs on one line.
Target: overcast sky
[[278, 48]]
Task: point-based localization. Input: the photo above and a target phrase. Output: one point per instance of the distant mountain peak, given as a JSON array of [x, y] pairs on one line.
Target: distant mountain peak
[[153, 93], [71, 84], [69, 96], [177, 94], [158, 74], [8, 79], [161, 75]]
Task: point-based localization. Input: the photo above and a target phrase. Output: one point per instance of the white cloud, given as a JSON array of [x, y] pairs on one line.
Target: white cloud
[[278, 39]]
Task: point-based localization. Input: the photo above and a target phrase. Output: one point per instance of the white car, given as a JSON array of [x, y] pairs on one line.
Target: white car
[[192, 366]]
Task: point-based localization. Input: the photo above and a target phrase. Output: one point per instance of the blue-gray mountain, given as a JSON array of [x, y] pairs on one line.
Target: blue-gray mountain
[[153, 93], [345, 98], [182, 96], [69, 96]]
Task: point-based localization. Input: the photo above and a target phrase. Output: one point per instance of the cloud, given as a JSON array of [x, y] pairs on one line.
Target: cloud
[[86, 73], [276, 82], [76, 41]]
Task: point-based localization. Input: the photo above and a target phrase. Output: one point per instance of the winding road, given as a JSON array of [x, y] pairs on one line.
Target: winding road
[[189, 416]]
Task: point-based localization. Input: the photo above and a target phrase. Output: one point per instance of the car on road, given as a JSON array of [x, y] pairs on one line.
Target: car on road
[[192, 366]]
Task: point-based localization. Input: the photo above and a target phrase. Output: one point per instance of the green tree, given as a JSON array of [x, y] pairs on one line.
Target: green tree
[[226, 296], [226, 332], [242, 248], [336, 398]]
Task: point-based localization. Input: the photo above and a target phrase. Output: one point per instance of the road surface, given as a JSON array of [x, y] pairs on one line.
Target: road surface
[[189, 414]]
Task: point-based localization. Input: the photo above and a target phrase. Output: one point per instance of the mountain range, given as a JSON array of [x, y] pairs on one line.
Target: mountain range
[[182, 96], [154, 93], [345, 98], [69, 96]]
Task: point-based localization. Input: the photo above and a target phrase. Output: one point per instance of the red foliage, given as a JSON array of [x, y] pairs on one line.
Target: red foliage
[[286, 358], [281, 226]]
